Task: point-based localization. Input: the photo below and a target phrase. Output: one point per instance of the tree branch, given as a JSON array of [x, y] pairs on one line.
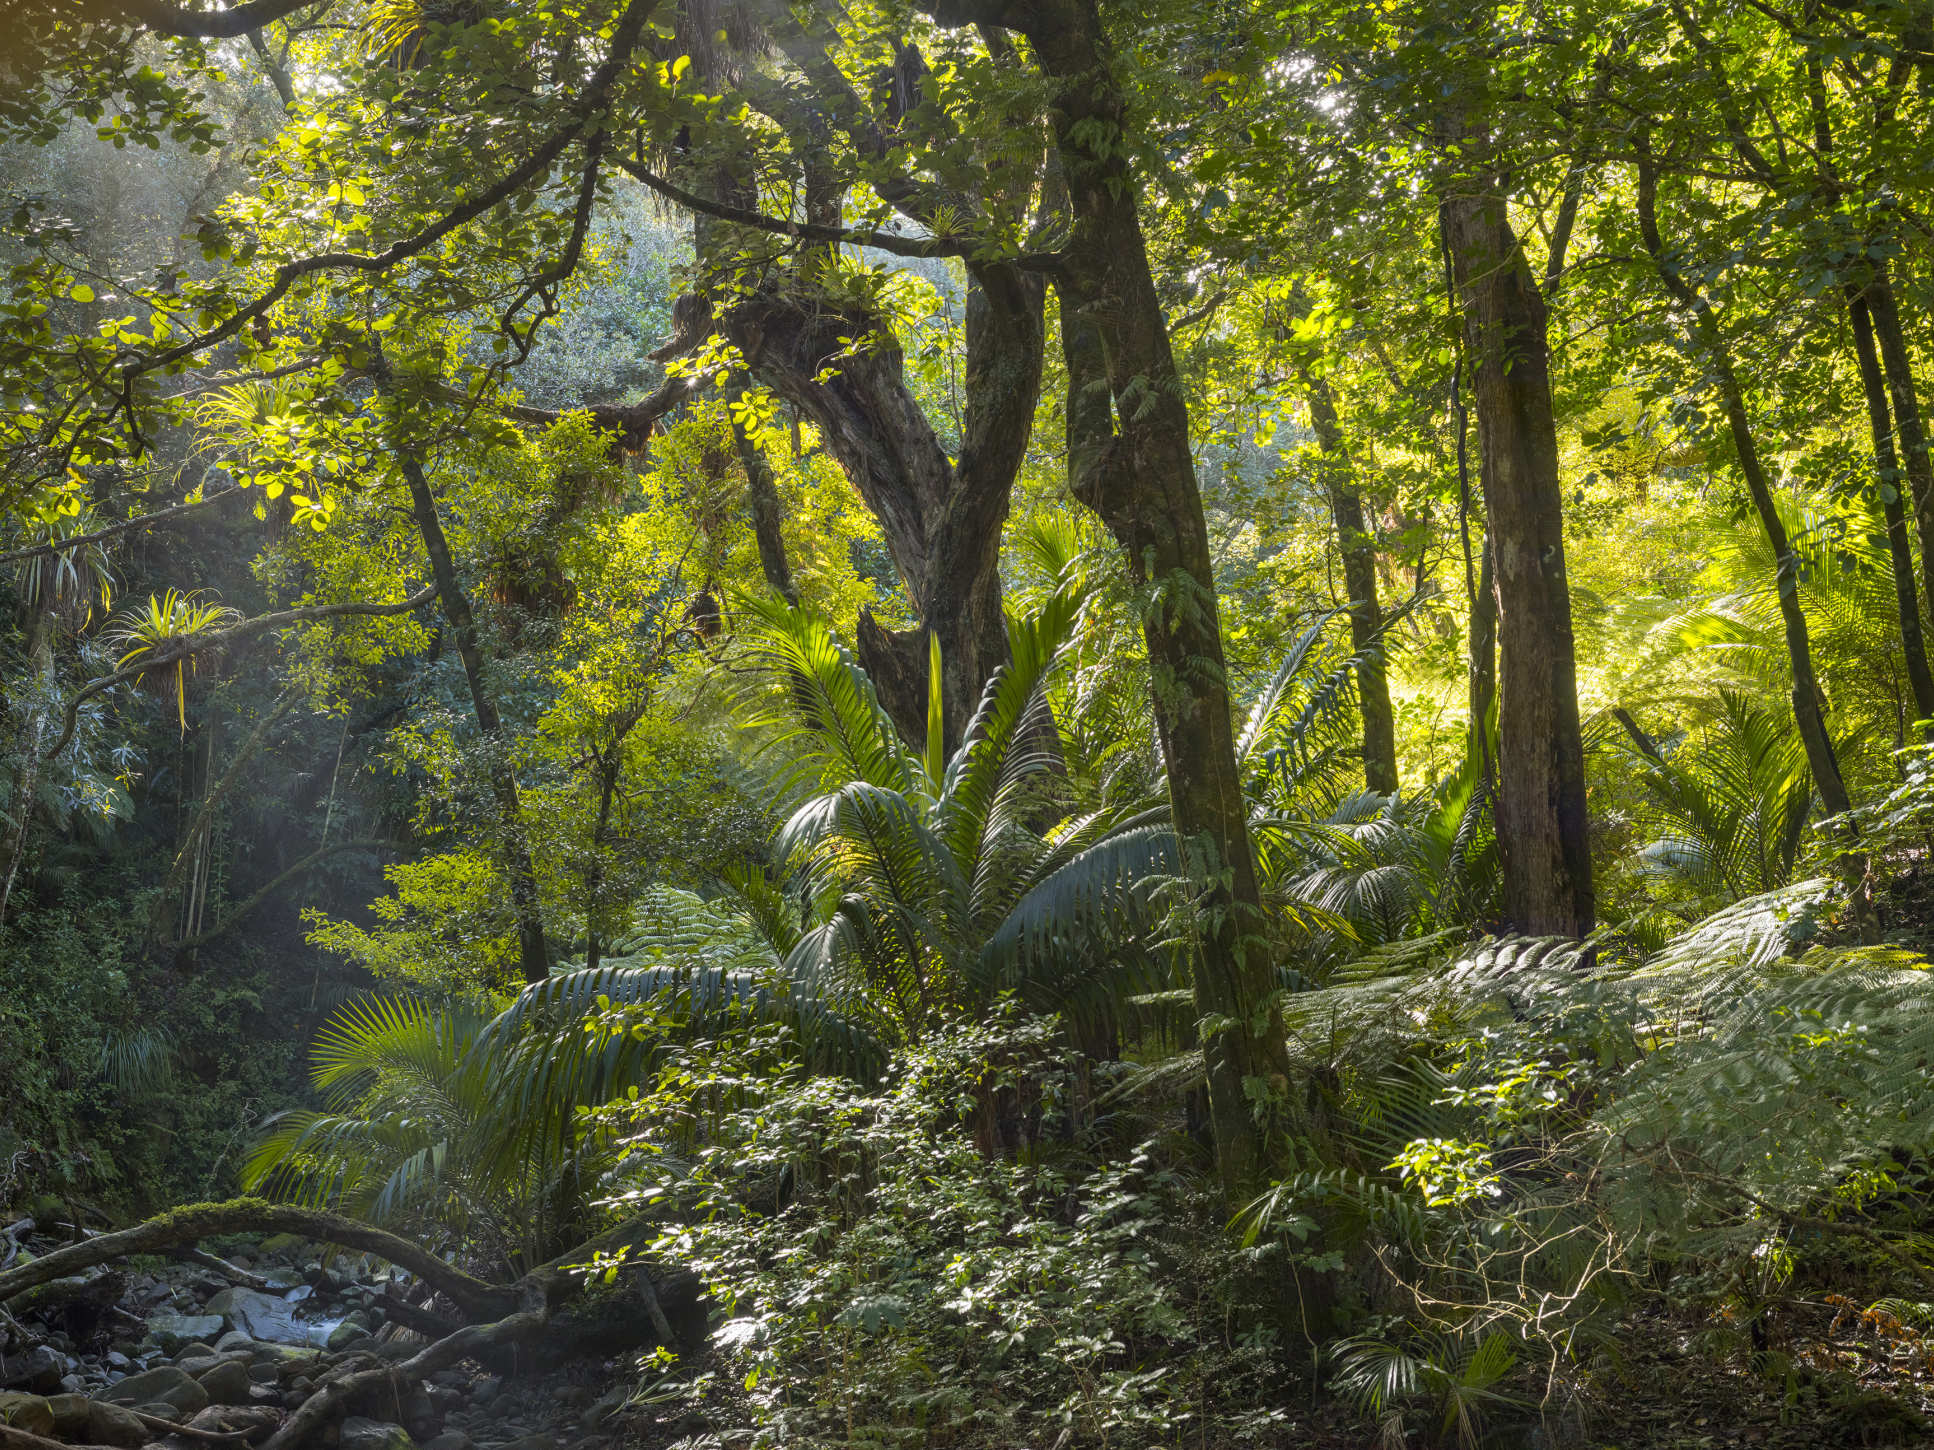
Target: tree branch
[[56, 546], [899, 246], [538, 164], [248, 629], [236, 1215], [177, 20]]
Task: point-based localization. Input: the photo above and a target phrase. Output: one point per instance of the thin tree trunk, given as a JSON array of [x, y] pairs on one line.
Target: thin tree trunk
[[533, 954], [1887, 476], [1808, 715], [1909, 425], [1543, 836], [1360, 579]]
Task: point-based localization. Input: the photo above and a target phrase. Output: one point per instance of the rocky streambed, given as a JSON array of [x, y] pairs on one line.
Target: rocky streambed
[[190, 1354]]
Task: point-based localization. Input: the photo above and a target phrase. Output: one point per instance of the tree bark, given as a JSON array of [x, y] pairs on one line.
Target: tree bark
[[1909, 424], [1542, 824], [1888, 479], [1129, 460], [1808, 713], [1360, 580], [533, 953]]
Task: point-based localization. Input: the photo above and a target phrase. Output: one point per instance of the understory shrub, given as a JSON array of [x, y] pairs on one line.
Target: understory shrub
[[880, 1280]]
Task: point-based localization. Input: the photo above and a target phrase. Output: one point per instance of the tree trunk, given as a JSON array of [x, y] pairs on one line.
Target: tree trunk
[[533, 954], [1360, 579], [1808, 714], [1542, 824], [1887, 477], [1129, 459], [836, 362], [1909, 426]]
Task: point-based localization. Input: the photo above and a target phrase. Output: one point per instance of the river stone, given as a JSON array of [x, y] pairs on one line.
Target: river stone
[[260, 1316], [164, 1384], [37, 1372], [449, 1440], [227, 1382], [345, 1334], [361, 1434], [172, 1331], [78, 1418], [31, 1413]]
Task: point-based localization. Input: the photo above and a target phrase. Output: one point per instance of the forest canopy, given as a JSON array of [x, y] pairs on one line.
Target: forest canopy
[[970, 722]]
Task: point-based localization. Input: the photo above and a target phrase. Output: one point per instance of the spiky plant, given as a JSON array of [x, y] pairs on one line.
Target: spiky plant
[[930, 886], [66, 578], [1729, 805], [166, 632]]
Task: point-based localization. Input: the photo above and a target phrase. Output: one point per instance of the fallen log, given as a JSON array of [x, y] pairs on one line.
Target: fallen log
[[475, 1298]]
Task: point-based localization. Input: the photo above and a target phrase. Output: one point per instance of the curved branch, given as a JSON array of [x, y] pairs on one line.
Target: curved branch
[[893, 242], [236, 1215], [184, 24], [248, 629], [623, 41], [55, 546]]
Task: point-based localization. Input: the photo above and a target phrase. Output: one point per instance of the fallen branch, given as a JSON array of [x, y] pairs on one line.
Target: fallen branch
[[322, 1407], [14, 1438], [227, 1270], [189, 1432], [198, 1221]]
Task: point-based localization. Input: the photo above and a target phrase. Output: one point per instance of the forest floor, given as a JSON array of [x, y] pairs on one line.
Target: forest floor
[[179, 1342]]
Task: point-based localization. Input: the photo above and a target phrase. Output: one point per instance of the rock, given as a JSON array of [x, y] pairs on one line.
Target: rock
[[485, 1389], [196, 1350], [450, 1440], [262, 1317], [32, 1413], [37, 1372], [72, 1384], [264, 1373], [283, 1246], [299, 1293], [163, 1384], [573, 1397], [345, 1334], [361, 1434], [172, 1331], [284, 1279], [533, 1442], [235, 1419], [78, 1418], [605, 1407], [118, 1360], [227, 1382]]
